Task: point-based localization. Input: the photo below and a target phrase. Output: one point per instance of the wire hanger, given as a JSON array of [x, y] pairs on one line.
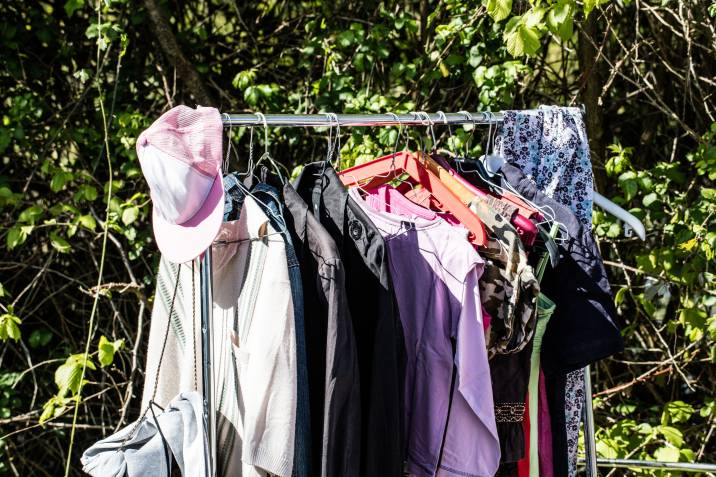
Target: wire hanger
[[279, 169]]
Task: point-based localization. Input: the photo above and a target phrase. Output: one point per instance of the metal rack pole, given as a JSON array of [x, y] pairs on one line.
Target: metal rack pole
[[327, 120], [207, 354], [590, 451]]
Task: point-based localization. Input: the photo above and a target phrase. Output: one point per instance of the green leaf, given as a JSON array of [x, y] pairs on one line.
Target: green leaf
[[5, 139], [40, 337], [630, 188], [59, 243], [251, 95], [667, 454], [48, 411], [649, 199], [708, 193], [589, 6], [559, 12], [130, 214], [498, 9], [522, 40], [71, 6], [30, 215], [54, 407], [86, 192], [87, 221], [244, 79], [533, 17], [346, 38], [678, 412], [9, 328], [566, 29], [16, 236], [68, 376], [614, 230], [59, 180], [619, 297], [106, 350], [672, 435]]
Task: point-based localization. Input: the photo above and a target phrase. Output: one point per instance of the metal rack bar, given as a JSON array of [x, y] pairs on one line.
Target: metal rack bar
[[590, 445], [648, 464], [207, 353], [330, 119]]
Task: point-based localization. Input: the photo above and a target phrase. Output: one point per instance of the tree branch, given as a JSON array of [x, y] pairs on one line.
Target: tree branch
[[170, 46]]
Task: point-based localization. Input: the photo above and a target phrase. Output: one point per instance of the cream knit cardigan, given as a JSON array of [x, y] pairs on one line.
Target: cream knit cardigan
[[254, 361]]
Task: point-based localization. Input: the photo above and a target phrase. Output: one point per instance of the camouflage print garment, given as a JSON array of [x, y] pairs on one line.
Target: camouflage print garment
[[508, 286]]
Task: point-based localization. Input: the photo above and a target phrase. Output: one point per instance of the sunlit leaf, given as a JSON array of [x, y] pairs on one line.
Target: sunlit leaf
[[106, 350], [9, 326], [498, 9], [68, 376], [130, 214], [59, 243]]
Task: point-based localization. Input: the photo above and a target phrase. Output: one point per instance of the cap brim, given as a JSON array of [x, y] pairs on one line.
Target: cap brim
[[181, 243]]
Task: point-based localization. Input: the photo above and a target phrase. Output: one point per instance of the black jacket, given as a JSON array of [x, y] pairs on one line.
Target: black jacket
[[334, 388], [376, 323], [583, 328]]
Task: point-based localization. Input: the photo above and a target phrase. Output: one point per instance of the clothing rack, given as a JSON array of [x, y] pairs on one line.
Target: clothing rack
[[389, 119]]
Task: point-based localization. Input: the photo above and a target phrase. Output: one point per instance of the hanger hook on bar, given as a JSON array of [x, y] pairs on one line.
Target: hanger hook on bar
[[469, 117], [330, 136], [262, 118], [430, 123], [337, 141], [225, 164]]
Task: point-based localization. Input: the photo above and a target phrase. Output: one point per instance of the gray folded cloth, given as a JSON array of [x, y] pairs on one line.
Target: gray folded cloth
[[181, 430]]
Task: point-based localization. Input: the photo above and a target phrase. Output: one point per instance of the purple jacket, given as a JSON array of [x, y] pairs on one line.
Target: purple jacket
[[450, 421]]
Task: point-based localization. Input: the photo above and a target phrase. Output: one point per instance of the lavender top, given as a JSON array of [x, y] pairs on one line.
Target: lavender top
[[435, 274]]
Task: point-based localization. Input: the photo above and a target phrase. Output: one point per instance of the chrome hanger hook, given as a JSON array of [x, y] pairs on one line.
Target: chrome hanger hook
[[430, 124], [251, 148], [329, 152], [265, 123], [225, 164], [400, 132], [469, 117], [337, 140]]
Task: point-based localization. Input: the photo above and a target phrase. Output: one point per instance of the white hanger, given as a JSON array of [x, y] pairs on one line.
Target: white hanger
[[631, 223]]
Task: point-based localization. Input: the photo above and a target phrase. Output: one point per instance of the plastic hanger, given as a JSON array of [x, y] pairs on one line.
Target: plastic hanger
[[631, 223], [382, 170]]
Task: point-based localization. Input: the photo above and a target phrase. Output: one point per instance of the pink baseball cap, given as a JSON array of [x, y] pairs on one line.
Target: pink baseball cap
[[180, 156]]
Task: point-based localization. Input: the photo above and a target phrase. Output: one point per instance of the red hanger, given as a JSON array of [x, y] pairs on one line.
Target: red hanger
[[384, 169]]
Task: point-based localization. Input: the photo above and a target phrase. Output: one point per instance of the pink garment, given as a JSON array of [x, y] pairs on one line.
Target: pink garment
[[486, 319], [545, 432]]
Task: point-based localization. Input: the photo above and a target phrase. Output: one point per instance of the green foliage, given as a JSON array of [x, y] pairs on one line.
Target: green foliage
[[523, 32]]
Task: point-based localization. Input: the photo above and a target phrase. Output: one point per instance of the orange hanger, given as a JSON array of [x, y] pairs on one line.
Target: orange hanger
[[384, 169]]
